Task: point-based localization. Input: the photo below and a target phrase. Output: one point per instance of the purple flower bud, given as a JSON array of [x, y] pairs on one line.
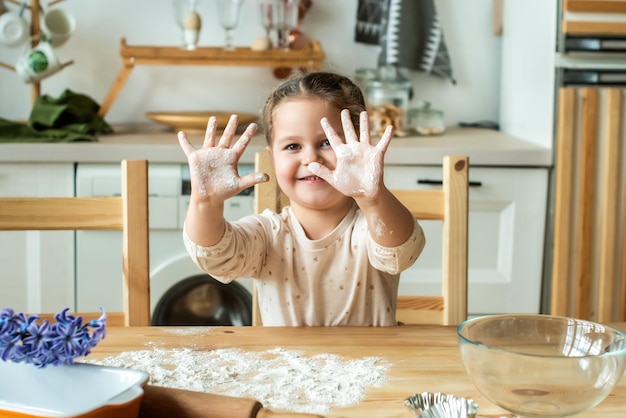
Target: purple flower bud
[[25, 339]]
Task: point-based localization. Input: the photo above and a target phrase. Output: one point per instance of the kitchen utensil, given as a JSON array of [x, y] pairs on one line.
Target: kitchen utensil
[[542, 365], [440, 405], [161, 402]]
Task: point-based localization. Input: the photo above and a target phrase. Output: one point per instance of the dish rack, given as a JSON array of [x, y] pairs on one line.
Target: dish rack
[[308, 58]]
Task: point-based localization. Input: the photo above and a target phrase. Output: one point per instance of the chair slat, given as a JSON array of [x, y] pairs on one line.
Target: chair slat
[[60, 213]]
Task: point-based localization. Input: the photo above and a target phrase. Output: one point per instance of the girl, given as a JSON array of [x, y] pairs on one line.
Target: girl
[[334, 255]]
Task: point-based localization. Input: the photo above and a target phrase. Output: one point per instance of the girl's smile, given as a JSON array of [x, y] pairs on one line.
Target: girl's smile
[[312, 179]]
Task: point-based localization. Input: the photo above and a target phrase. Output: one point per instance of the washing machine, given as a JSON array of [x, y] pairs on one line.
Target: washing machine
[[181, 294]]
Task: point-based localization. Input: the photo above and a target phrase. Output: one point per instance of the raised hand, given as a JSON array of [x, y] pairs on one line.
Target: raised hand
[[359, 169], [213, 168]]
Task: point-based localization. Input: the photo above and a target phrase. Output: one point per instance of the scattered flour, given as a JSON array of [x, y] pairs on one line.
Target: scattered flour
[[189, 330], [280, 379]]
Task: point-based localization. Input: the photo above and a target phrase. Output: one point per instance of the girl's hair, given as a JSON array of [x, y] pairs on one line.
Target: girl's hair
[[335, 89]]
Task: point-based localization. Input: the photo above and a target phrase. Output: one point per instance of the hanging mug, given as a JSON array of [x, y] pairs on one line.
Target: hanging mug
[[38, 63], [57, 26], [14, 30]]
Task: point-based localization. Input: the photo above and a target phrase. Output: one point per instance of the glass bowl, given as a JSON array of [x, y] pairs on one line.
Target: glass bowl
[[541, 365]]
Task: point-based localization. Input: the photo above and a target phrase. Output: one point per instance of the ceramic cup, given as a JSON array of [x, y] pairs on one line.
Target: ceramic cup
[[191, 29], [14, 29], [57, 26], [190, 38], [38, 63]]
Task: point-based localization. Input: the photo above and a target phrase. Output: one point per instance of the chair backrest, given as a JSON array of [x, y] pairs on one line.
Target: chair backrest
[[127, 213], [448, 205]]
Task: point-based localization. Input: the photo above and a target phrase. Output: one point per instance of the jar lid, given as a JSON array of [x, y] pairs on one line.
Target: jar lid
[[389, 75], [417, 111]]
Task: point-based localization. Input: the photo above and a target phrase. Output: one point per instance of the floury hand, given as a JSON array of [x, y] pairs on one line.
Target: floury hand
[[213, 168], [359, 169]]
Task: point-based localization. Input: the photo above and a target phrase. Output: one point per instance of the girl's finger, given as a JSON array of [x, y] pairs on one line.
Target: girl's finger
[[331, 134], [385, 139], [187, 147], [209, 135], [242, 143], [321, 171], [348, 126], [251, 179], [364, 125], [229, 132]]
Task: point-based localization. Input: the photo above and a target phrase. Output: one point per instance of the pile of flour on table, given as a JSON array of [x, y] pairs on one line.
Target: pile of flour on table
[[278, 378]]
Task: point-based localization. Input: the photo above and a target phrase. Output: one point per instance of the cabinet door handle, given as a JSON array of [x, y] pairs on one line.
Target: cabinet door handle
[[440, 182]]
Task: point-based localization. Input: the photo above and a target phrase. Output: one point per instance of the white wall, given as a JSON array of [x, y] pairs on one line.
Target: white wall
[[527, 75], [475, 54]]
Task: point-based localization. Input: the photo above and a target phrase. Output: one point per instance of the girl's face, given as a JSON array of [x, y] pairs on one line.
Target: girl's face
[[298, 139]]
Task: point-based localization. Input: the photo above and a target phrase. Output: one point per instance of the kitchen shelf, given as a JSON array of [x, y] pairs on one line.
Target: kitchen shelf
[[310, 57]]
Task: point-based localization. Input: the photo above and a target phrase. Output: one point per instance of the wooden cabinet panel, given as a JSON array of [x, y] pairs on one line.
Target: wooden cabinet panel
[[589, 265], [595, 6], [591, 17]]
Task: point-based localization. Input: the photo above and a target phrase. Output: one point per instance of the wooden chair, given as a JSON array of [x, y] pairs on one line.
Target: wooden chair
[[128, 213], [448, 204]]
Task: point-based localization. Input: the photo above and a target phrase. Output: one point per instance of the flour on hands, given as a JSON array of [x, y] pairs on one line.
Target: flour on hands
[[359, 169], [213, 168]]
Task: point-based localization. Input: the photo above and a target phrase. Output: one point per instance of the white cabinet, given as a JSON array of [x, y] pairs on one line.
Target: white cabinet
[[37, 268], [506, 237]]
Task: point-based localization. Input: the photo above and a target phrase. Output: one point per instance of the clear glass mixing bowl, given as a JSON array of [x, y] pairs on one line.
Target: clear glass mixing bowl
[[542, 365]]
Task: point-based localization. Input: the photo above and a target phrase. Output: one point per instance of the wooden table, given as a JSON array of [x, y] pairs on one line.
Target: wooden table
[[422, 358]]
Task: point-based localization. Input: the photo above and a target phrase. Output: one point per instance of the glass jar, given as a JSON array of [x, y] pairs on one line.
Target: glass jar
[[387, 96], [425, 121], [362, 76]]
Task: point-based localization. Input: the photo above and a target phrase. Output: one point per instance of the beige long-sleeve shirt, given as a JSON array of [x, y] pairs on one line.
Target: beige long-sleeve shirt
[[343, 279]]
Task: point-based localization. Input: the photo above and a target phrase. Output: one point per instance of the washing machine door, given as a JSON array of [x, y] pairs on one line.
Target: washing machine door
[[202, 300], [182, 294]]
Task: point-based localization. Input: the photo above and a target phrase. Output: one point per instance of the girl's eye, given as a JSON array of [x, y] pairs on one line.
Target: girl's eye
[[292, 147], [326, 143]]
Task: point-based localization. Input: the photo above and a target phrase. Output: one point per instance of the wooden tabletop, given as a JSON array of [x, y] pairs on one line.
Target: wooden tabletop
[[421, 358]]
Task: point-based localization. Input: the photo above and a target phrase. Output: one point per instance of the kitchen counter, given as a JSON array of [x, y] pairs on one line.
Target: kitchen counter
[[484, 147]]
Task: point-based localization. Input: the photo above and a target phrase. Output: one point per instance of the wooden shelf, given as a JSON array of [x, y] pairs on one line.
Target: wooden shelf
[[308, 58]]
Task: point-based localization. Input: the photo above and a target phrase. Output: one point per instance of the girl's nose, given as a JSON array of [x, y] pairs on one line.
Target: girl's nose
[[311, 157]]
